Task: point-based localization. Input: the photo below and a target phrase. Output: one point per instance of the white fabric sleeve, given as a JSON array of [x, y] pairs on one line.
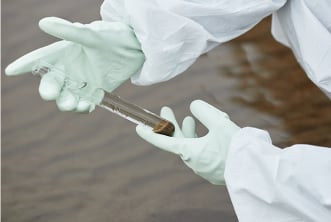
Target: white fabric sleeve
[[321, 9], [267, 183], [304, 26], [174, 33]]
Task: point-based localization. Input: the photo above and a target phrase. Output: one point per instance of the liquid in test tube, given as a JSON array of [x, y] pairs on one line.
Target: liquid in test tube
[[114, 103]]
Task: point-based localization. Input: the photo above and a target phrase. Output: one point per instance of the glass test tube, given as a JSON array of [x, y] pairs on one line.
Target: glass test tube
[[115, 104], [136, 114]]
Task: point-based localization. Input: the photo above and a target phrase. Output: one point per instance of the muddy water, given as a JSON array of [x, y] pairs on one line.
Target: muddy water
[[60, 166]]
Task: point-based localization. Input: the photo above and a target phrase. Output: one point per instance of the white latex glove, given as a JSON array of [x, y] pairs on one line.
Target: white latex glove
[[206, 155], [103, 54]]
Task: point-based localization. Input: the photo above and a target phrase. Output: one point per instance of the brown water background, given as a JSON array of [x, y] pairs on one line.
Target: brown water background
[[63, 166]]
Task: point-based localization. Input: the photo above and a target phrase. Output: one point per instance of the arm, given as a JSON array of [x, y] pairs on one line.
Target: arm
[[174, 33], [251, 171], [305, 28], [267, 182]]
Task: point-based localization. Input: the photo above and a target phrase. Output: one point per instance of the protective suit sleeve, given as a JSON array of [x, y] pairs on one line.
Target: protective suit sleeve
[[305, 27], [267, 183], [174, 33]]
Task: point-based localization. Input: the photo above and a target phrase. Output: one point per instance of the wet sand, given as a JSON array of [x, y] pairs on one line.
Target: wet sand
[[63, 166]]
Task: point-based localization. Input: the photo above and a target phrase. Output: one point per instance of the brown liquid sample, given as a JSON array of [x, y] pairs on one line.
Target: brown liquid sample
[[137, 114]]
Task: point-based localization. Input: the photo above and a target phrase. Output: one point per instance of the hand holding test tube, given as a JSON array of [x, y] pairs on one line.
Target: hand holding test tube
[[109, 101]]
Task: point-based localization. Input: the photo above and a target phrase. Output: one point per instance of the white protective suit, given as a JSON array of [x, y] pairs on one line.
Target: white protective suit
[[265, 183]]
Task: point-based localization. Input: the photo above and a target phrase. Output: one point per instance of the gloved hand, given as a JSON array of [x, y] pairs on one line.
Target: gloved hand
[[103, 54], [206, 155]]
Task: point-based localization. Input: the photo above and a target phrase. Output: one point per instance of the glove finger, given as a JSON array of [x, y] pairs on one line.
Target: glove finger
[[166, 143], [206, 113], [26, 63], [63, 29], [50, 86], [188, 127], [84, 106], [168, 114], [67, 101]]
